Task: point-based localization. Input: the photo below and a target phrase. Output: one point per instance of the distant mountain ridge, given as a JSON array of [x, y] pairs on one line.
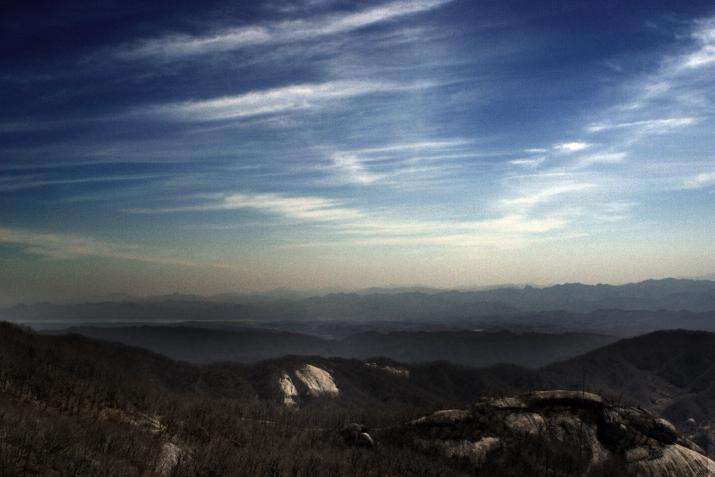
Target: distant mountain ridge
[[247, 345], [667, 294], [623, 310], [654, 294]]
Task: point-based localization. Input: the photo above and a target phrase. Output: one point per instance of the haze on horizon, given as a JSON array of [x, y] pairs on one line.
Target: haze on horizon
[[232, 146]]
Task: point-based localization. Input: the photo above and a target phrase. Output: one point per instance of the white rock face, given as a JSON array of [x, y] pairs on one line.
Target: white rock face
[[677, 461], [290, 393], [318, 381], [631, 438]]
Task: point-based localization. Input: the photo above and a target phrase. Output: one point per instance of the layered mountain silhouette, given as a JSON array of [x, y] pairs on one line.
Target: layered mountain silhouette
[[415, 305], [619, 311], [472, 348]]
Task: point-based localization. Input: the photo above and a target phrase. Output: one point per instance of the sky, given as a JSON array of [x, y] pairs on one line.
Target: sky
[[223, 146]]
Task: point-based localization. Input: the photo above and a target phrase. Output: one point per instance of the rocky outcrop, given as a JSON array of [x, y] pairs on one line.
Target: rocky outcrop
[[446, 416], [290, 393], [308, 381], [318, 381], [354, 434], [560, 433]]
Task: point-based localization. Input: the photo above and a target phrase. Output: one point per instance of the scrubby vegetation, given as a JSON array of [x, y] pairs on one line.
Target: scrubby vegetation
[[73, 406]]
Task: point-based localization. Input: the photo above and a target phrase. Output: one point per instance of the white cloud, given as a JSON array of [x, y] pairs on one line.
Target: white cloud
[[511, 224], [682, 82], [531, 162], [705, 53], [272, 101], [302, 208], [352, 169], [546, 194], [347, 223], [276, 32], [507, 232], [358, 166], [412, 146], [651, 126], [701, 180], [605, 158], [314, 209], [702, 57], [519, 224], [569, 147]]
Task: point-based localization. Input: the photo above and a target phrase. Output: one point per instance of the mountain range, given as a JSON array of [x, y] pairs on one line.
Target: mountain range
[[471, 348], [624, 310]]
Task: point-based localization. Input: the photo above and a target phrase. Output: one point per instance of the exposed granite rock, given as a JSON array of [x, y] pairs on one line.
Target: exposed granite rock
[[288, 389], [445, 417], [354, 434], [560, 433], [318, 381]]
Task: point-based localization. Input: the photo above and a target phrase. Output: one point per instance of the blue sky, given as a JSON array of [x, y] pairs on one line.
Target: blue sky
[[151, 147]]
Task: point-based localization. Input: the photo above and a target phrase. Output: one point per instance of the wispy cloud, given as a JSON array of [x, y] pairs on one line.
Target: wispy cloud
[[351, 168], [675, 96], [273, 101], [700, 180], [528, 162], [569, 147], [349, 223], [519, 224], [546, 194], [71, 246], [704, 55], [604, 158], [318, 209], [357, 166], [302, 208], [681, 83], [652, 126], [34, 182], [176, 46], [412, 146]]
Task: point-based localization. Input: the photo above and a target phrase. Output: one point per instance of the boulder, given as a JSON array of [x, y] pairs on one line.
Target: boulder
[[355, 434], [560, 433]]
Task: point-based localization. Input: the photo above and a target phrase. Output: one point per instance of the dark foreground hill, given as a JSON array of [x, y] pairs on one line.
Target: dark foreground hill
[[70, 405], [670, 372]]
